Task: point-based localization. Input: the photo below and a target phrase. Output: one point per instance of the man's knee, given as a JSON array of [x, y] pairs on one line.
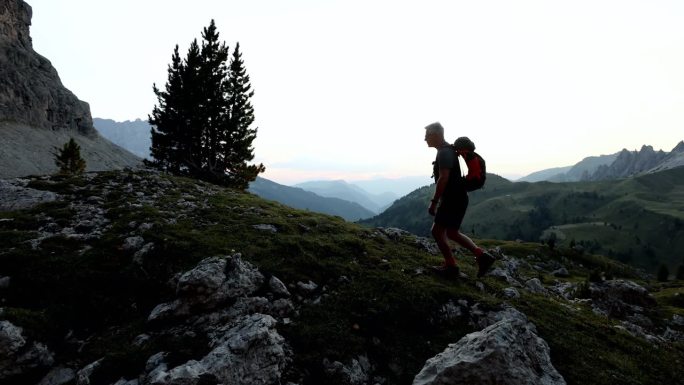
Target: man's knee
[[438, 231]]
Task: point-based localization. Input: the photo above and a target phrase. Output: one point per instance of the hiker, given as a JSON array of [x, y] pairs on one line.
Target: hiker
[[450, 202]]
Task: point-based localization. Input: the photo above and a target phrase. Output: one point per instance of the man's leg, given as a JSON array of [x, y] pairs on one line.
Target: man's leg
[[439, 232], [484, 259], [463, 240]]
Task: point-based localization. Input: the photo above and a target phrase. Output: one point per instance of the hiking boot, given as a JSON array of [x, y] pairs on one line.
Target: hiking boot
[[484, 263], [447, 270]]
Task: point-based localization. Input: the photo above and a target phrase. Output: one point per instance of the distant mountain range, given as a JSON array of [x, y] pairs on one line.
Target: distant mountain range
[[376, 203], [307, 200], [638, 220], [372, 195], [619, 165], [132, 135]]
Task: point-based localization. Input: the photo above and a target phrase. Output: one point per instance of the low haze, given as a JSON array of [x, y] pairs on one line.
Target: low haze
[[344, 88]]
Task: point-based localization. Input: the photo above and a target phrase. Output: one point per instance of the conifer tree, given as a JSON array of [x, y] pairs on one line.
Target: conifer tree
[[167, 119], [241, 116], [68, 159], [201, 126]]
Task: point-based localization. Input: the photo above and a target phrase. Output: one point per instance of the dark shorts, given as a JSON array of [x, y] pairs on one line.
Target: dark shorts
[[450, 212]]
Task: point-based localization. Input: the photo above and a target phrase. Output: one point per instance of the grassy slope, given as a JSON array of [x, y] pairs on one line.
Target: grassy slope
[[93, 289], [638, 220]]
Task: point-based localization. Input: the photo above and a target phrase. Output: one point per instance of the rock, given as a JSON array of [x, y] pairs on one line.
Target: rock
[[307, 288], [264, 227], [249, 351], [122, 381], [450, 311], [562, 272], [140, 254], [14, 196], [511, 292], [394, 233], [17, 355], [4, 282], [11, 339], [505, 275], [620, 298], [507, 352], [428, 245], [564, 289], [278, 287], [83, 375], [534, 285], [133, 243], [358, 372], [677, 320], [212, 283], [58, 376]]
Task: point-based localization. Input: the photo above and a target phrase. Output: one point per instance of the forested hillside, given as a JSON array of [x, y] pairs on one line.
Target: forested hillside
[[636, 220]]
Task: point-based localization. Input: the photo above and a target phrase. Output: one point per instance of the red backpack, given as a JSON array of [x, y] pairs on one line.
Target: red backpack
[[477, 169]]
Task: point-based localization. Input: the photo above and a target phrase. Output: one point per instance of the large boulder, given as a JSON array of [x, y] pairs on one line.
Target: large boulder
[[230, 302], [212, 283], [18, 355], [506, 352]]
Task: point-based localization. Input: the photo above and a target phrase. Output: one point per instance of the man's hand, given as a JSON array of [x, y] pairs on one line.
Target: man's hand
[[432, 208]]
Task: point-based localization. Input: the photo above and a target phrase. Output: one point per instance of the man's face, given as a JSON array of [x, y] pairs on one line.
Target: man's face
[[431, 138]]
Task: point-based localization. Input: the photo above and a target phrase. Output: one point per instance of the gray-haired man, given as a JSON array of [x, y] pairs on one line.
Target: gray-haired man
[[452, 197]]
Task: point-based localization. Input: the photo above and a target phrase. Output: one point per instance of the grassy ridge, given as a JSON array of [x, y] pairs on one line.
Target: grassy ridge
[[638, 220], [375, 301]]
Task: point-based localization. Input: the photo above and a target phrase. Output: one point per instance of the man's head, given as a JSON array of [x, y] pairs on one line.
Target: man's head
[[434, 134]]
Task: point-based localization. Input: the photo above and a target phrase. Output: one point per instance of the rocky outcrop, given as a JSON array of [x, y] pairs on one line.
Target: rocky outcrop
[[14, 195], [507, 352], [37, 113], [630, 163], [18, 355], [218, 299]]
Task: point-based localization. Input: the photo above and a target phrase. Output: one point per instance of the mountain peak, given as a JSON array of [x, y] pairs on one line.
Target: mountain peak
[[679, 147]]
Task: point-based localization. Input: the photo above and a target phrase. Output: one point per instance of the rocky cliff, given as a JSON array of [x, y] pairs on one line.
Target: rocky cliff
[[37, 112], [629, 163]]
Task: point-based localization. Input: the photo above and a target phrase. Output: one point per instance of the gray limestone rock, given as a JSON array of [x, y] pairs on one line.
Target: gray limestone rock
[[17, 355], [358, 372], [511, 292], [534, 285], [620, 298], [249, 351], [278, 287], [133, 243], [14, 196], [58, 376], [508, 352]]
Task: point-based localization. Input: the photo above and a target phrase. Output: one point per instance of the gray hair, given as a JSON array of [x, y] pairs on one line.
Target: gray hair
[[435, 128]]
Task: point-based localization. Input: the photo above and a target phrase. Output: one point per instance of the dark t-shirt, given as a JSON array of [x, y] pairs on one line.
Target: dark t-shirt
[[447, 158]]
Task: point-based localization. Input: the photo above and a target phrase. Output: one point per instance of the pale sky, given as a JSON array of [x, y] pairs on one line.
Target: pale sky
[[344, 89]]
